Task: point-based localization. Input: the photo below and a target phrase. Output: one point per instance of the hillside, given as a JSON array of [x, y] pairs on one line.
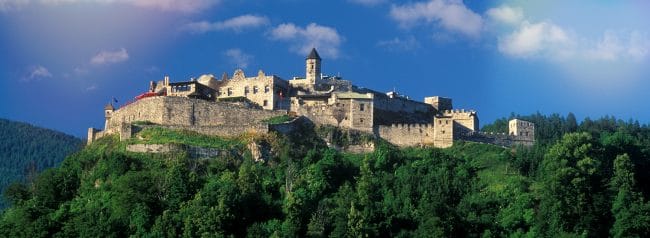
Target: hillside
[[584, 184], [26, 149]]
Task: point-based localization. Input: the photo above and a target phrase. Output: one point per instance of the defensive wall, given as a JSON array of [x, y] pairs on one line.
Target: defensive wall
[[210, 118]]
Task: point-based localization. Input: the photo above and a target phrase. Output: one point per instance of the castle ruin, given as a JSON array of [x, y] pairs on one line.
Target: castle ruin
[[234, 105]]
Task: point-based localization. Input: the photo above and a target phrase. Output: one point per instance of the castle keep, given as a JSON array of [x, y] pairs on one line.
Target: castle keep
[[229, 106]]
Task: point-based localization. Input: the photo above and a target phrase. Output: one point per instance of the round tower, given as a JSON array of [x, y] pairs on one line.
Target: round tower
[[312, 65], [108, 113]]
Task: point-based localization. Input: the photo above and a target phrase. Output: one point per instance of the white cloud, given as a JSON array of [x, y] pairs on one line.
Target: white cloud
[[326, 39], [400, 44], [547, 40], [239, 58], [187, 6], [506, 14], [108, 57], [449, 14], [620, 46], [37, 72], [11, 5], [236, 24], [536, 39], [368, 2]]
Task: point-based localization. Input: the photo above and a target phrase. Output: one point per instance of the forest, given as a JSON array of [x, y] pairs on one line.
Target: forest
[[582, 179], [26, 149]]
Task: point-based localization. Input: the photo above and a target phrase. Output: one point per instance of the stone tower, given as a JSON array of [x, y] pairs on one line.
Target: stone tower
[[313, 73], [108, 113], [522, 130]]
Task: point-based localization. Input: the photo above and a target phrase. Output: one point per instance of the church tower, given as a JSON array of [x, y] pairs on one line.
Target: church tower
[[313, 67]]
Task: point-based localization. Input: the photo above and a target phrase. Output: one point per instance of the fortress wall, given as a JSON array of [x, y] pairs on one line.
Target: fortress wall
[[321, 113], [407, 134], [180, 111], [222, 130], [398, 104], [443, 132], [148, 109]]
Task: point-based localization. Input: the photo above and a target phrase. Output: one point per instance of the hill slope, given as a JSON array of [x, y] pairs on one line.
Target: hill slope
[[581, 185], [25, 148]]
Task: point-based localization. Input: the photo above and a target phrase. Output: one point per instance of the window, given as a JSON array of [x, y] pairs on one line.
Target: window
[[254, 89], [446, 122], [362, 107], [267, 89], [246, 90], [229, 91], [266, 102], [360, 120]]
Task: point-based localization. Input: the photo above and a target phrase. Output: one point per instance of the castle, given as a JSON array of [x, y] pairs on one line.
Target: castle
[[233, 105]]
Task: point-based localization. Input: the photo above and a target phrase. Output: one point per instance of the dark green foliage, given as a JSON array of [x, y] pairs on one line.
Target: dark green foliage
[[25, 150], [588, 180]]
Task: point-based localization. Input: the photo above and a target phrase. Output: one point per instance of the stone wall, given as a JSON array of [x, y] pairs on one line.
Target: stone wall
[[443, 132], [180, 111], [400, 104], [193, 152], [523, 130], [263, 90], [407, 134], [464, 121]]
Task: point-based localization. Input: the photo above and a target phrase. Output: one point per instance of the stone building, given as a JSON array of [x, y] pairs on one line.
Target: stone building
[[228, 106]]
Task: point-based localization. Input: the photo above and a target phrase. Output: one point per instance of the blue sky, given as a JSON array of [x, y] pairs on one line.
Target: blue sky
[[61, 61]]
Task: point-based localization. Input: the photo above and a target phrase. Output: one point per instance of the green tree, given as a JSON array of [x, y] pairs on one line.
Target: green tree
[[631, 214]]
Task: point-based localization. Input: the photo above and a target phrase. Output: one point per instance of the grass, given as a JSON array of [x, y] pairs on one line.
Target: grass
[[278, 119], [159, 135]]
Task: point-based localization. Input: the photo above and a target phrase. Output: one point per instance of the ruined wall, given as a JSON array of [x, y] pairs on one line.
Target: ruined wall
[[328, 111], [407, 134], [263, 90], [523, 130]]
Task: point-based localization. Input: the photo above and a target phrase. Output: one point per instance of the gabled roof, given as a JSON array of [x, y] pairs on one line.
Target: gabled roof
[[313, 54]]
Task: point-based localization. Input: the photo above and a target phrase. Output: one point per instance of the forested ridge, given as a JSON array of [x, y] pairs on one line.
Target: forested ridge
[[27, 149], [584, 179]]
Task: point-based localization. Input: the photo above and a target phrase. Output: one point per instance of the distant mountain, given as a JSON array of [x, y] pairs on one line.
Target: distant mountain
[[26, 149]]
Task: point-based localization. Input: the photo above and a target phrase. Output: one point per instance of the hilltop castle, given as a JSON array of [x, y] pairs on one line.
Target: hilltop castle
[[233, 105]]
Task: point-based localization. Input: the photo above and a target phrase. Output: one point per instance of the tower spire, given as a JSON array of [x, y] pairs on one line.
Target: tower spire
[[312, 64]]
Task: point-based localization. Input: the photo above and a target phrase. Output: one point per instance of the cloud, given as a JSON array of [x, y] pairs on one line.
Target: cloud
[[550, 41], [36, 72], [536, 39], [12, 5], [400, 44], [450, 15], [506, 14], [368, 3], [236, 24], [239, 58], [326, 39], [108, 57], [619, 46], [186, 6]]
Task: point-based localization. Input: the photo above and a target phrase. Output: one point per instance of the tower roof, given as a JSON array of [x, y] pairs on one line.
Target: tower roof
[[313, 54], [109, 107]]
